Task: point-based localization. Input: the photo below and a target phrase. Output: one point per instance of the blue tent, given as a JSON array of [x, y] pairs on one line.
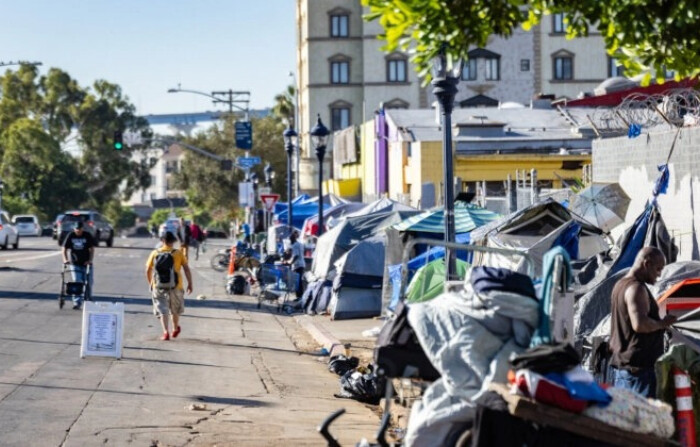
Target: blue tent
[[282, 206]]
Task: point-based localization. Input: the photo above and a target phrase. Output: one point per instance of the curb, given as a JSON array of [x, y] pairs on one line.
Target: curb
[[321, 335]]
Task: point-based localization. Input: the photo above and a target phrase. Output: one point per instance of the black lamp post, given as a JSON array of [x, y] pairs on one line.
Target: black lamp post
[[254, 180], [269, 175], [319, 135], [2, 185], [290, 137], [445, 80]]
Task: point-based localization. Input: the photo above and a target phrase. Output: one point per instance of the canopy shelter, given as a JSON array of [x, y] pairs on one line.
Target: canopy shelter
[[310, 227], [602, 204], [535, 230], [467, 218]]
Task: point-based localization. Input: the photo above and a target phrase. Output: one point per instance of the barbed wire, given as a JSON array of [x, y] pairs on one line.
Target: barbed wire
[[674, 107]]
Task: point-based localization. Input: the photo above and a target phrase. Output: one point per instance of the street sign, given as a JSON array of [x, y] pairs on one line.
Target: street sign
[[246, 194], [244, 135], [269, 201], [247, 162], [264, 190]]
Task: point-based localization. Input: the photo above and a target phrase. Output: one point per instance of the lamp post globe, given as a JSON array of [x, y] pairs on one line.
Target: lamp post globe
[[268, 175], [446, 74], [319, 136], [290, 139]]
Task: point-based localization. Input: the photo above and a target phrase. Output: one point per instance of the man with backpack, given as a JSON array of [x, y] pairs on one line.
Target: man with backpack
[[165, 279]]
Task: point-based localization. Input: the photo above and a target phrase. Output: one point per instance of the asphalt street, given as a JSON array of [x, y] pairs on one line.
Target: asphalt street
[[237, 375]]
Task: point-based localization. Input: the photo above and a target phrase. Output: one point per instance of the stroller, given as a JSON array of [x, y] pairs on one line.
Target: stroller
[[74, 289]]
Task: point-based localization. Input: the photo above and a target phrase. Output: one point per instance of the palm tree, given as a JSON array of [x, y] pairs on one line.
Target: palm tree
[[284, 105]]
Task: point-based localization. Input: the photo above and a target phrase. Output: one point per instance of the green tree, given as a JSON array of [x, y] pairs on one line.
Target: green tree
[[283, 109], [644, 35]]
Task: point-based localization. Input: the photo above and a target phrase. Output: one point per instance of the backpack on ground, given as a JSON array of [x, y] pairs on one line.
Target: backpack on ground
[[164, 275], [236, 285]]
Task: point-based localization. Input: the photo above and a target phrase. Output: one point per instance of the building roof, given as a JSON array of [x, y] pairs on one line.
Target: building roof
[[612, 97], [491, 128]]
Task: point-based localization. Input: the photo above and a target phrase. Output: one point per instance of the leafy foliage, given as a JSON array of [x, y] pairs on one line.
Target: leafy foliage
[[644, 35]]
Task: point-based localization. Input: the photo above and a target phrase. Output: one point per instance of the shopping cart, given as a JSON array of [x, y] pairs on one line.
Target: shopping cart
[[277, 283]]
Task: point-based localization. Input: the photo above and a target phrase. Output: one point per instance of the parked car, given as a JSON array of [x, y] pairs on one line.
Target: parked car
[[215, 233], [27, 224], [47, 229], [57, 225], [171, 225], [8, 232], [94, 223]]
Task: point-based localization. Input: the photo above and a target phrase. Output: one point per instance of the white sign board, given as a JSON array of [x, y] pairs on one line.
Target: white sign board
[[246, 194], [263, 190], [103, 329]]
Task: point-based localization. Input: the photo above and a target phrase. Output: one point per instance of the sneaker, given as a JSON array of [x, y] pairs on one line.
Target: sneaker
[[176, 332], [165, 336], [76, 306]]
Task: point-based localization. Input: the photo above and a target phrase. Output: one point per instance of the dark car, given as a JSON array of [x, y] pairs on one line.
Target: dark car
[[93, 222], [215, 233], [57, 224]]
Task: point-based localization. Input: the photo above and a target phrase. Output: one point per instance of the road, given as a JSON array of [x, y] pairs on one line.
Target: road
[[254, 370]]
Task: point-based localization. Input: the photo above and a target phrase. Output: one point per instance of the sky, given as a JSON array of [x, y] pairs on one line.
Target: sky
[[149, 46]]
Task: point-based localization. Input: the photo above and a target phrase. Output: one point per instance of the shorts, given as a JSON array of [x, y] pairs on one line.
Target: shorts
[[168, 301]]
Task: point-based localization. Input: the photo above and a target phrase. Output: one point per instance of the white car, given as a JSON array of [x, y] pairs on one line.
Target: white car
[[8, 233], [27, 224], [172, 225]]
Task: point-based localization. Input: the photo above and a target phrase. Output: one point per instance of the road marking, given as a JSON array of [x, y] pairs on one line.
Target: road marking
[[32, 258]]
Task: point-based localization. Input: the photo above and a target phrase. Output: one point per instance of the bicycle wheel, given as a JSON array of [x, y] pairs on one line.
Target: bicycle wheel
[[219, 262]]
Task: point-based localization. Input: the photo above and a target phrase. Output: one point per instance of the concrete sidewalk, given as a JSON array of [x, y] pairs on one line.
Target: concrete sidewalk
[[338, 335]]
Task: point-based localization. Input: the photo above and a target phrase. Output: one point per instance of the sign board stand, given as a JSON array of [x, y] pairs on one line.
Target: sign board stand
[[103, 330]]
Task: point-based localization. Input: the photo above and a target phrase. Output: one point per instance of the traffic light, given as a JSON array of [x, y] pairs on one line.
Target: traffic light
[[118, 143]]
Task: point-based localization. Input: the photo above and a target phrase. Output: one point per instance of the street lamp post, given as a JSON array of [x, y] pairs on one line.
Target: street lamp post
[[269, 177], [319, 135], [2, 186], [290, 136], [254, 180], [445, 80]]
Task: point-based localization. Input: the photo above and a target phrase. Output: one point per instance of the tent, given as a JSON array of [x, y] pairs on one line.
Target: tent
[[535, 230], [383, 205], [303, 209], [429, 280], [310, 227], [357, 286], [467, 218], [281, 206]]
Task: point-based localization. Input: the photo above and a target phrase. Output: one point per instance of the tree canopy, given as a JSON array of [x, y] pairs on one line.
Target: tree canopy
[[55, 142], [643, 35]]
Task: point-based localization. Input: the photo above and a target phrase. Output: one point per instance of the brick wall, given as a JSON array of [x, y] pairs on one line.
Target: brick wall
[[633, 163]]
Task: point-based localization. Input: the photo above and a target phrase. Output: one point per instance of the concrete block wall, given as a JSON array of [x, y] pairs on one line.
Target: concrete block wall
[[633, 163]]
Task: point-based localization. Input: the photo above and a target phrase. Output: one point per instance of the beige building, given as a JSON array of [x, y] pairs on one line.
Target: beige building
[[343, 75]]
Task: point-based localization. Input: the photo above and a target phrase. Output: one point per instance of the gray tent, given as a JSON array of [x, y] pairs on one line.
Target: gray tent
[[357, 286], [384, 205], [339, 240]]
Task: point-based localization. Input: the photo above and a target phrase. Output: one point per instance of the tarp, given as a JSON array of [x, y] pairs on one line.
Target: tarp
[[648, 230], [351, 302], [310, 227], [303, 209], [467, 218], [363, 265], [429, 280], [383, 205]]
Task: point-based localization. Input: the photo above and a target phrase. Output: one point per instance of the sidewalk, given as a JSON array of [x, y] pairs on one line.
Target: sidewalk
[[336, 335]]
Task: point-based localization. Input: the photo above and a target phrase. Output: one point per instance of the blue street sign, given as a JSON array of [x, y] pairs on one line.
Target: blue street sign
[[244, 135], [247, 162]]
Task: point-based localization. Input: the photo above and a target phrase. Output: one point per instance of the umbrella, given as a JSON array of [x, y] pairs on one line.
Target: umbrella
[[602, 204], [467, 217]]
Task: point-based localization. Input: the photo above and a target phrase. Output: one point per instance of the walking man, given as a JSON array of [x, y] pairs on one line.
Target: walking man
[[82, 250], [637, 331], [163, 272], [184, 236]]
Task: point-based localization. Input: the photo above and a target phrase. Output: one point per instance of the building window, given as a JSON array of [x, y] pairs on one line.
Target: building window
[[563, 68], [614, 68], [396, 70], [340, 72], [340, 118], [469, 70], [493, 72], [339, 25], [524, 64], [558, 24]]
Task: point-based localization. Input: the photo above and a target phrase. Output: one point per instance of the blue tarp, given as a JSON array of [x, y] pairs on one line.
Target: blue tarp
[[569, 239], [634, 241], [282, 206]]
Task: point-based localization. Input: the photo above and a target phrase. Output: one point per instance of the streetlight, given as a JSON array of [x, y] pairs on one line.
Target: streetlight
[[2, 185], [290, 137], [319, 135], [254, 180], [446, 75], [269, 175]]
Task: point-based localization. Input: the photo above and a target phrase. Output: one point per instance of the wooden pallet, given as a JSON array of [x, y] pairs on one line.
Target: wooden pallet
[[529, 409]]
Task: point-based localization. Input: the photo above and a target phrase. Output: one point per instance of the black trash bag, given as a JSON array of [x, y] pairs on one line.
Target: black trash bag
[[340, 364], [364, 387]]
